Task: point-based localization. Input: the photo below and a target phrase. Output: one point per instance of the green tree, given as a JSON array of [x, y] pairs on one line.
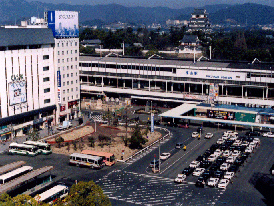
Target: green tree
[[86, 193], [19, 200], [91, 141], [137, 141], [34, 134], [59, 140]]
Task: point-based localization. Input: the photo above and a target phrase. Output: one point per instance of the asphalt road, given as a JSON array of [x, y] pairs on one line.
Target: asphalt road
[[133, 183]]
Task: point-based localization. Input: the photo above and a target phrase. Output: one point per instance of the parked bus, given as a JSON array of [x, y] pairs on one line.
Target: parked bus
[[23, 149], [86, 160], [43, 148], [14, 174], [108, 158], [51, 195]]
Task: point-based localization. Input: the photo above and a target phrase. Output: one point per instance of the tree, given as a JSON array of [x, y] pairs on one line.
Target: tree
[[137, 141], [34, 134], [59, 140], [19, 200], [86, 193], [91, 141]]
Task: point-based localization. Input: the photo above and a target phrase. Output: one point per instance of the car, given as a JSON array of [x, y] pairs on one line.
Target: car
[[212, 182], [215, 166], [245, 143], [231, 159], [207, 153], [194, 164], [201, 182], [205, 164], [208, 135], [272, 170], [257, 140], [233, 137], [235, 153], [154, 163], [227, 153], [249, 139], [198, 171], [171, 124], [195, 134], [239, 161], [237, 143], [179, 145], [230, 133], [253, 133], [220, 141], [248, 150], [220, 160], [224, 147], [187, 171], [232, 147], [223, 183], [214, 147], [224, 166], [240, 148], [245, 155], [183, 126], [218, 152], [229, 141], [165, 156], [233, 168], [180, 178], [225, 136], [212, 158], [268, 134], [219, 174], [229, 175], [201, 158], [207, 174]]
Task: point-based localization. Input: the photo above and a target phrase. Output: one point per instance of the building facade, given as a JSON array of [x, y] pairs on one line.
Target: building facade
[[27, 80], [199, 21]]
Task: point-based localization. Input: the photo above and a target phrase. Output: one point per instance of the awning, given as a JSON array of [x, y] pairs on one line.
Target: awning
[[177, 111]]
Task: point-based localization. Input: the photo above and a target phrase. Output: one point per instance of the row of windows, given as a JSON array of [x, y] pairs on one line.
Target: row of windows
[[64, 91], [64, 99], [63, 60], [62, 44], [71, 82], [63, 53], [71, 67], [71, 75], [134, 67]]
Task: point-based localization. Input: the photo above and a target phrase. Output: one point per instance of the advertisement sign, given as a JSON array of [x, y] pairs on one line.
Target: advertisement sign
[[62, 108], [59, 95], [63, 23], [17, 92], [58, 79]]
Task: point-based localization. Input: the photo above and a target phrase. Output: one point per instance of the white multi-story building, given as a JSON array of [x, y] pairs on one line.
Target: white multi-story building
[[27, 79]]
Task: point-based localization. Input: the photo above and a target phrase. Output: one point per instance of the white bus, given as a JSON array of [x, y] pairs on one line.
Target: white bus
[[14, 174], [43, 148], [23, 149], [51, 195], [86, 160]]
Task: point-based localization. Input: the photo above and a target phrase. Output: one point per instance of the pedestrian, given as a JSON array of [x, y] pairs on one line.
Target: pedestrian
[[199, 137]]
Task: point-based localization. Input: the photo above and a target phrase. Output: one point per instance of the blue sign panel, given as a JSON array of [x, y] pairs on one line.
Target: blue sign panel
[[152, 122], [58, 79]]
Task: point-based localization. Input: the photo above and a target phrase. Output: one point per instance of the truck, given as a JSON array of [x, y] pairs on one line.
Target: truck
[[65, 125]]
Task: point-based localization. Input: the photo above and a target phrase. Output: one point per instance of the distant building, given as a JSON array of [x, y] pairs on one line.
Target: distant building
[[95, 43], [199, 21], [190, 40]]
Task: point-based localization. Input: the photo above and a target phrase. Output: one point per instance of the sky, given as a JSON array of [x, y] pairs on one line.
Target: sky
[[153, 3]]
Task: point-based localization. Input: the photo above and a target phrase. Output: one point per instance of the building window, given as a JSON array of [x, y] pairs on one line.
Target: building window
[[67, 90], [46, 101], [67, 51], [67, 59], [71, 82], [67, 67], [70, 43], [76, 89], [63, 68], [75, 43], [62, 52], [58, 60], [76, 81], [58, 52], [71, 59], [64, 84], [63, 76], [67, 75], [72, 97], [58, 68], [71, 75], [57, 44], [71, 66], [67, 44], [68, 98], [75, 66], [64, 99], [76, 96], [63, 60], [62, 44], [71, 51], [76, 51], [67, 82], [71, 90], [46, 79], [45, 56], [46, 90], [76, 74], [76, 59], [64, 91], [45, 68]]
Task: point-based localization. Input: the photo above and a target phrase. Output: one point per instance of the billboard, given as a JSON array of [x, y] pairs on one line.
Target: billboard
[[17, 92], [59, 86], [63, 23]]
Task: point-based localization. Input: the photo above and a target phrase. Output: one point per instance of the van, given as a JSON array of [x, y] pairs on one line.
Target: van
[[179, 145]]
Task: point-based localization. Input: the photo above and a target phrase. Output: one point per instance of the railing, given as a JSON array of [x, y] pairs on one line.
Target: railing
[[147, 147]]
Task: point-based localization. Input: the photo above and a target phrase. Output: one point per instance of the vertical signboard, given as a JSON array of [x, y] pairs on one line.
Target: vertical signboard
[[211, 93], [17, 92], [216, 92], [152, 122], [63, 23], [59, 87]]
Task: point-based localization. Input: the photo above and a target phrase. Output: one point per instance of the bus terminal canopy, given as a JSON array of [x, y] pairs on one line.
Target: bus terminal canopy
[[11, 166], [178, 113], [13, 184]]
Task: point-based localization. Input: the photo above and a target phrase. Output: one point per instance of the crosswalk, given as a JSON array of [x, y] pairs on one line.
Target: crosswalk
[[145, 189]]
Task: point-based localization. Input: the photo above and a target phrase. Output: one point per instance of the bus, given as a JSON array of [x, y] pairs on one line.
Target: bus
[[23, 149], [51, 195], [86, 160], [43, 148], [14, 174], [108, 158]]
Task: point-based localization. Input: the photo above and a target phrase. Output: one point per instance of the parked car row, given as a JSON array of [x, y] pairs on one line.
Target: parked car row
[[218, 165]]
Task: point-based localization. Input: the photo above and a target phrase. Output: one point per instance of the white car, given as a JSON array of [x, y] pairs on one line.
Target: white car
[[194, 164], [245, 143], [164, 156], [223, 183], [233, 137], [195, 134], [225, 137], [252, 144], [220, 141], [212, 182], [198, 171], [180, 178], [256, 140], [212, 158], [208, 135], [230, 133], [218, 152], [237, 143], [268, 134], [224, 166], [229, 175], [236, 153], [230, 159], [227, 153], [249, 149]]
